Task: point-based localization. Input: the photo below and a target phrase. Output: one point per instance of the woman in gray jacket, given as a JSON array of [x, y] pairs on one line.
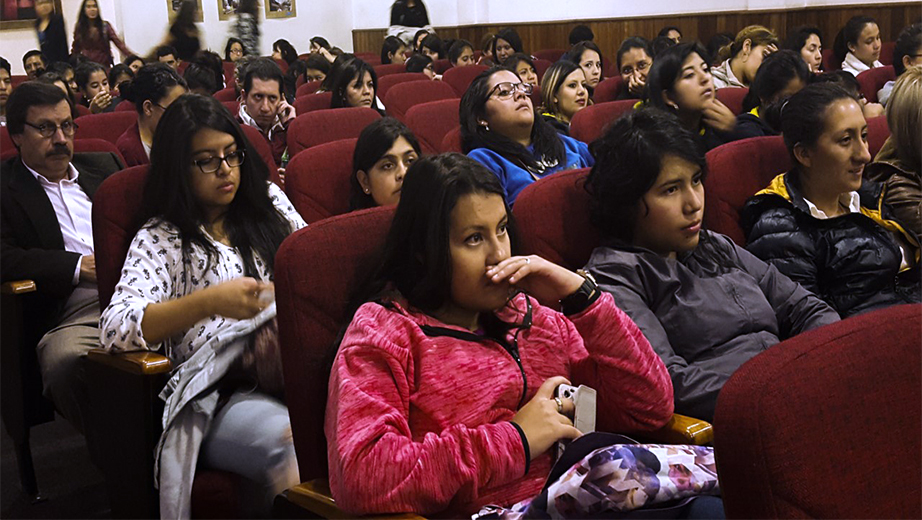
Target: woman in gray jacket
[[705, 304]]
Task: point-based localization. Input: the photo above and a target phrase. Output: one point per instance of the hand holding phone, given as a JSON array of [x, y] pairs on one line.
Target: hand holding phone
[[584, 404]]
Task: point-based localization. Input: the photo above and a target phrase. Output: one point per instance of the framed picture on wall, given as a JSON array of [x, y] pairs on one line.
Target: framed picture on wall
[[175, 5], [227, 9], [280, 8], [20, 14]]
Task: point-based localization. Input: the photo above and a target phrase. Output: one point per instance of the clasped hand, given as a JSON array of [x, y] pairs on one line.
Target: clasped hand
[[546, 281]]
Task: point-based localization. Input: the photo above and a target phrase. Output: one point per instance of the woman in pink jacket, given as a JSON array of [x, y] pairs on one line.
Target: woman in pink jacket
[[441, 397]]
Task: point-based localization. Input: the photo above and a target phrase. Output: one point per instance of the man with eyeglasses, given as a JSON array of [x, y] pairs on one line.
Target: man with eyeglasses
[[46, 236]]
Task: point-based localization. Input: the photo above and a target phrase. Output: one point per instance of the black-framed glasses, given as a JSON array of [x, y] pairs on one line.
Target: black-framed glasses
[[47, 130], [213, 164], [506, 89]]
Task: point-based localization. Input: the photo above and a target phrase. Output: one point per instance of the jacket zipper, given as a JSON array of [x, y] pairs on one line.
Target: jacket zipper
[[513, 351]]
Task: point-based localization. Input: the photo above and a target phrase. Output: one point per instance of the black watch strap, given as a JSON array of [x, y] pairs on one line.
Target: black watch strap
[[585, 296]]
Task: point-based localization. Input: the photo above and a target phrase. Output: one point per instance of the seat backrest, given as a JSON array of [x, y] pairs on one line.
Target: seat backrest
[[226, 94], [873, 80], [404, 95], [317, 270], [733, 98], [389, 68], [878, 132], [97, 145], [541, 66], [452, 140], [830, 63], [371, 58], [552, 216], [431, 122], [109, 126], [736, 171], [323, 126], [818, 423], [115, 222], [229, 73], [18, 79], [440, 66], [307, 88], [317, 181], [233, 107], [282, 64], [125, 106], [550, 55], [590, 123], [608, 89], [311, 102], [385, 83], [886, 53], [461, 77], [264, 149]]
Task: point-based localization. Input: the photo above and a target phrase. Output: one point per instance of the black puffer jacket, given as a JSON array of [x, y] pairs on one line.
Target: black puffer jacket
[[852, 262]]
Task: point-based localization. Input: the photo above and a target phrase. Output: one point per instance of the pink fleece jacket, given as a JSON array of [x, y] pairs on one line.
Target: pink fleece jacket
[[418, 415]]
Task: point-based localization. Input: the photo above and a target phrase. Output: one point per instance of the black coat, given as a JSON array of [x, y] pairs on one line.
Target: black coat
[[54, 43], [852, 261]]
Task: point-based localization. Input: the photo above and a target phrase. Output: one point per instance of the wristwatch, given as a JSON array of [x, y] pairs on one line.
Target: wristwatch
[[585, 296]]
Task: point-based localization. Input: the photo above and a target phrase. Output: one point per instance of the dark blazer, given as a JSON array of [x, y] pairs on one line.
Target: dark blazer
[[54, 43], [31, 243]]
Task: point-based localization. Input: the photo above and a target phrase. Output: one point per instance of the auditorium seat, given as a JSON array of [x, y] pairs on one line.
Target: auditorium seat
[[370, 58], [82, 110], [878, 132], [441, 65], [609, 69], [541, 67], [226, 94], [402, 96], [264, 149], [317, 181], [886, 53], [431, 122], [323, 126], [590, 123], [109, 126], [18, 79], [873, 80], [608, 89], [736, 171], [97, 145], [733, 98], [536, 100], [307, 88], [282, 64], [830, 63], [311, 102], [385, 83], [550, 55], [125, 106], [232, 106], [452, 140], [827, 424], [461, 77], [229, 73], [390, 68]]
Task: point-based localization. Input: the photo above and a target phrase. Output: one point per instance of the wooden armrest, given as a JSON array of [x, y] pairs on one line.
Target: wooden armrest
[[142, 362], [18, 287], [682, 429], [315, 497]]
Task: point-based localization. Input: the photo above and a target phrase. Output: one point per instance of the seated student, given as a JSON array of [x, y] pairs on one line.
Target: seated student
[[93, 84], [807, 42], [907, 52], [264, 106], [49, 28], [34, 63], [680, 82], [66, 71], [717, 42], [564, 92], [335, 66], [317, 68], [781, 76], [285, 51], [506, 43], [820, 223], [318, 43], [672, 32], [196, 284], [6, 87], [134, 62], [431, 46], [588, 56], [119, 74], [356, 85], [705, 304], [211, 63], [898, 165], [461, 53], [523, 66], [418, 39], [847, 81], [383, 153], [500, 129], [295, 70], [661, 43], [152, 91], [486, 50], [857, 45], [453, 307], [634, 59], [167, 54], [233, 50], [421, 63], [580, 33], [55, 79], [740, 60], [393, 50]]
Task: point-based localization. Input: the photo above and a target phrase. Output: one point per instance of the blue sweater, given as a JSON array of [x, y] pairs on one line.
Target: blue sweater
[[514, 178]]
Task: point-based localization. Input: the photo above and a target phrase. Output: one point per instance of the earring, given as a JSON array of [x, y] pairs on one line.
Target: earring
[[485, 125], [673, 106], [367, 191]]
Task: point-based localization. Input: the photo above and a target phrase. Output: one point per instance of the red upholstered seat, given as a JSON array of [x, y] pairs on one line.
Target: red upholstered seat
[[109, 126], [541, 67], [590, 123], [82, 110], [552, 216], [226, 94], [733, 98], [402, 96], [390, 68], [229, 73], [461, 77], [371, 58], [317, 270], [264, 149], [874, 79], [609, 68], [232, 106], [385, 83], [323, 126], [452, 141], [317, 181], [308, 88], [440, 66], [827, 424], [550, 55], [431, 122], [878, 132], [311, 102], [18, 79], [830, 63], [736, 171], [886, 53], [125, 106], [608, 89], [282, 64]]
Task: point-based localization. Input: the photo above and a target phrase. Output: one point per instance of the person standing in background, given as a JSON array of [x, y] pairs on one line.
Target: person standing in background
[[406, 17], [92, 36], [246, 28], [49, 27]]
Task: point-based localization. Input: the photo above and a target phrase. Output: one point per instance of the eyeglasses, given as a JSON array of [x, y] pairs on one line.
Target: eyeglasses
[[641, 66], [47, 130], [506, 89], [213, 164]]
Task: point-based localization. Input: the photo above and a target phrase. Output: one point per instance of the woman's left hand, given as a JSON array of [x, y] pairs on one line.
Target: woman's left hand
[[717, 116], [544, 280]]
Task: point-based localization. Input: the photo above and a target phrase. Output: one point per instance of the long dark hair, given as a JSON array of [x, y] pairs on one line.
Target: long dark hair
[[544, 139], [353, 72], [338, 63], [390, 46], [510, 35], [252, 223], [849, 34], [230, 43], [374, 141], [84, 24], [777, 70], [797, 37], [287, 50], [666, 69]]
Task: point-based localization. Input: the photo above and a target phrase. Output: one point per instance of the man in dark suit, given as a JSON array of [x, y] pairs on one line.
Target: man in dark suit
[[46, 235]]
